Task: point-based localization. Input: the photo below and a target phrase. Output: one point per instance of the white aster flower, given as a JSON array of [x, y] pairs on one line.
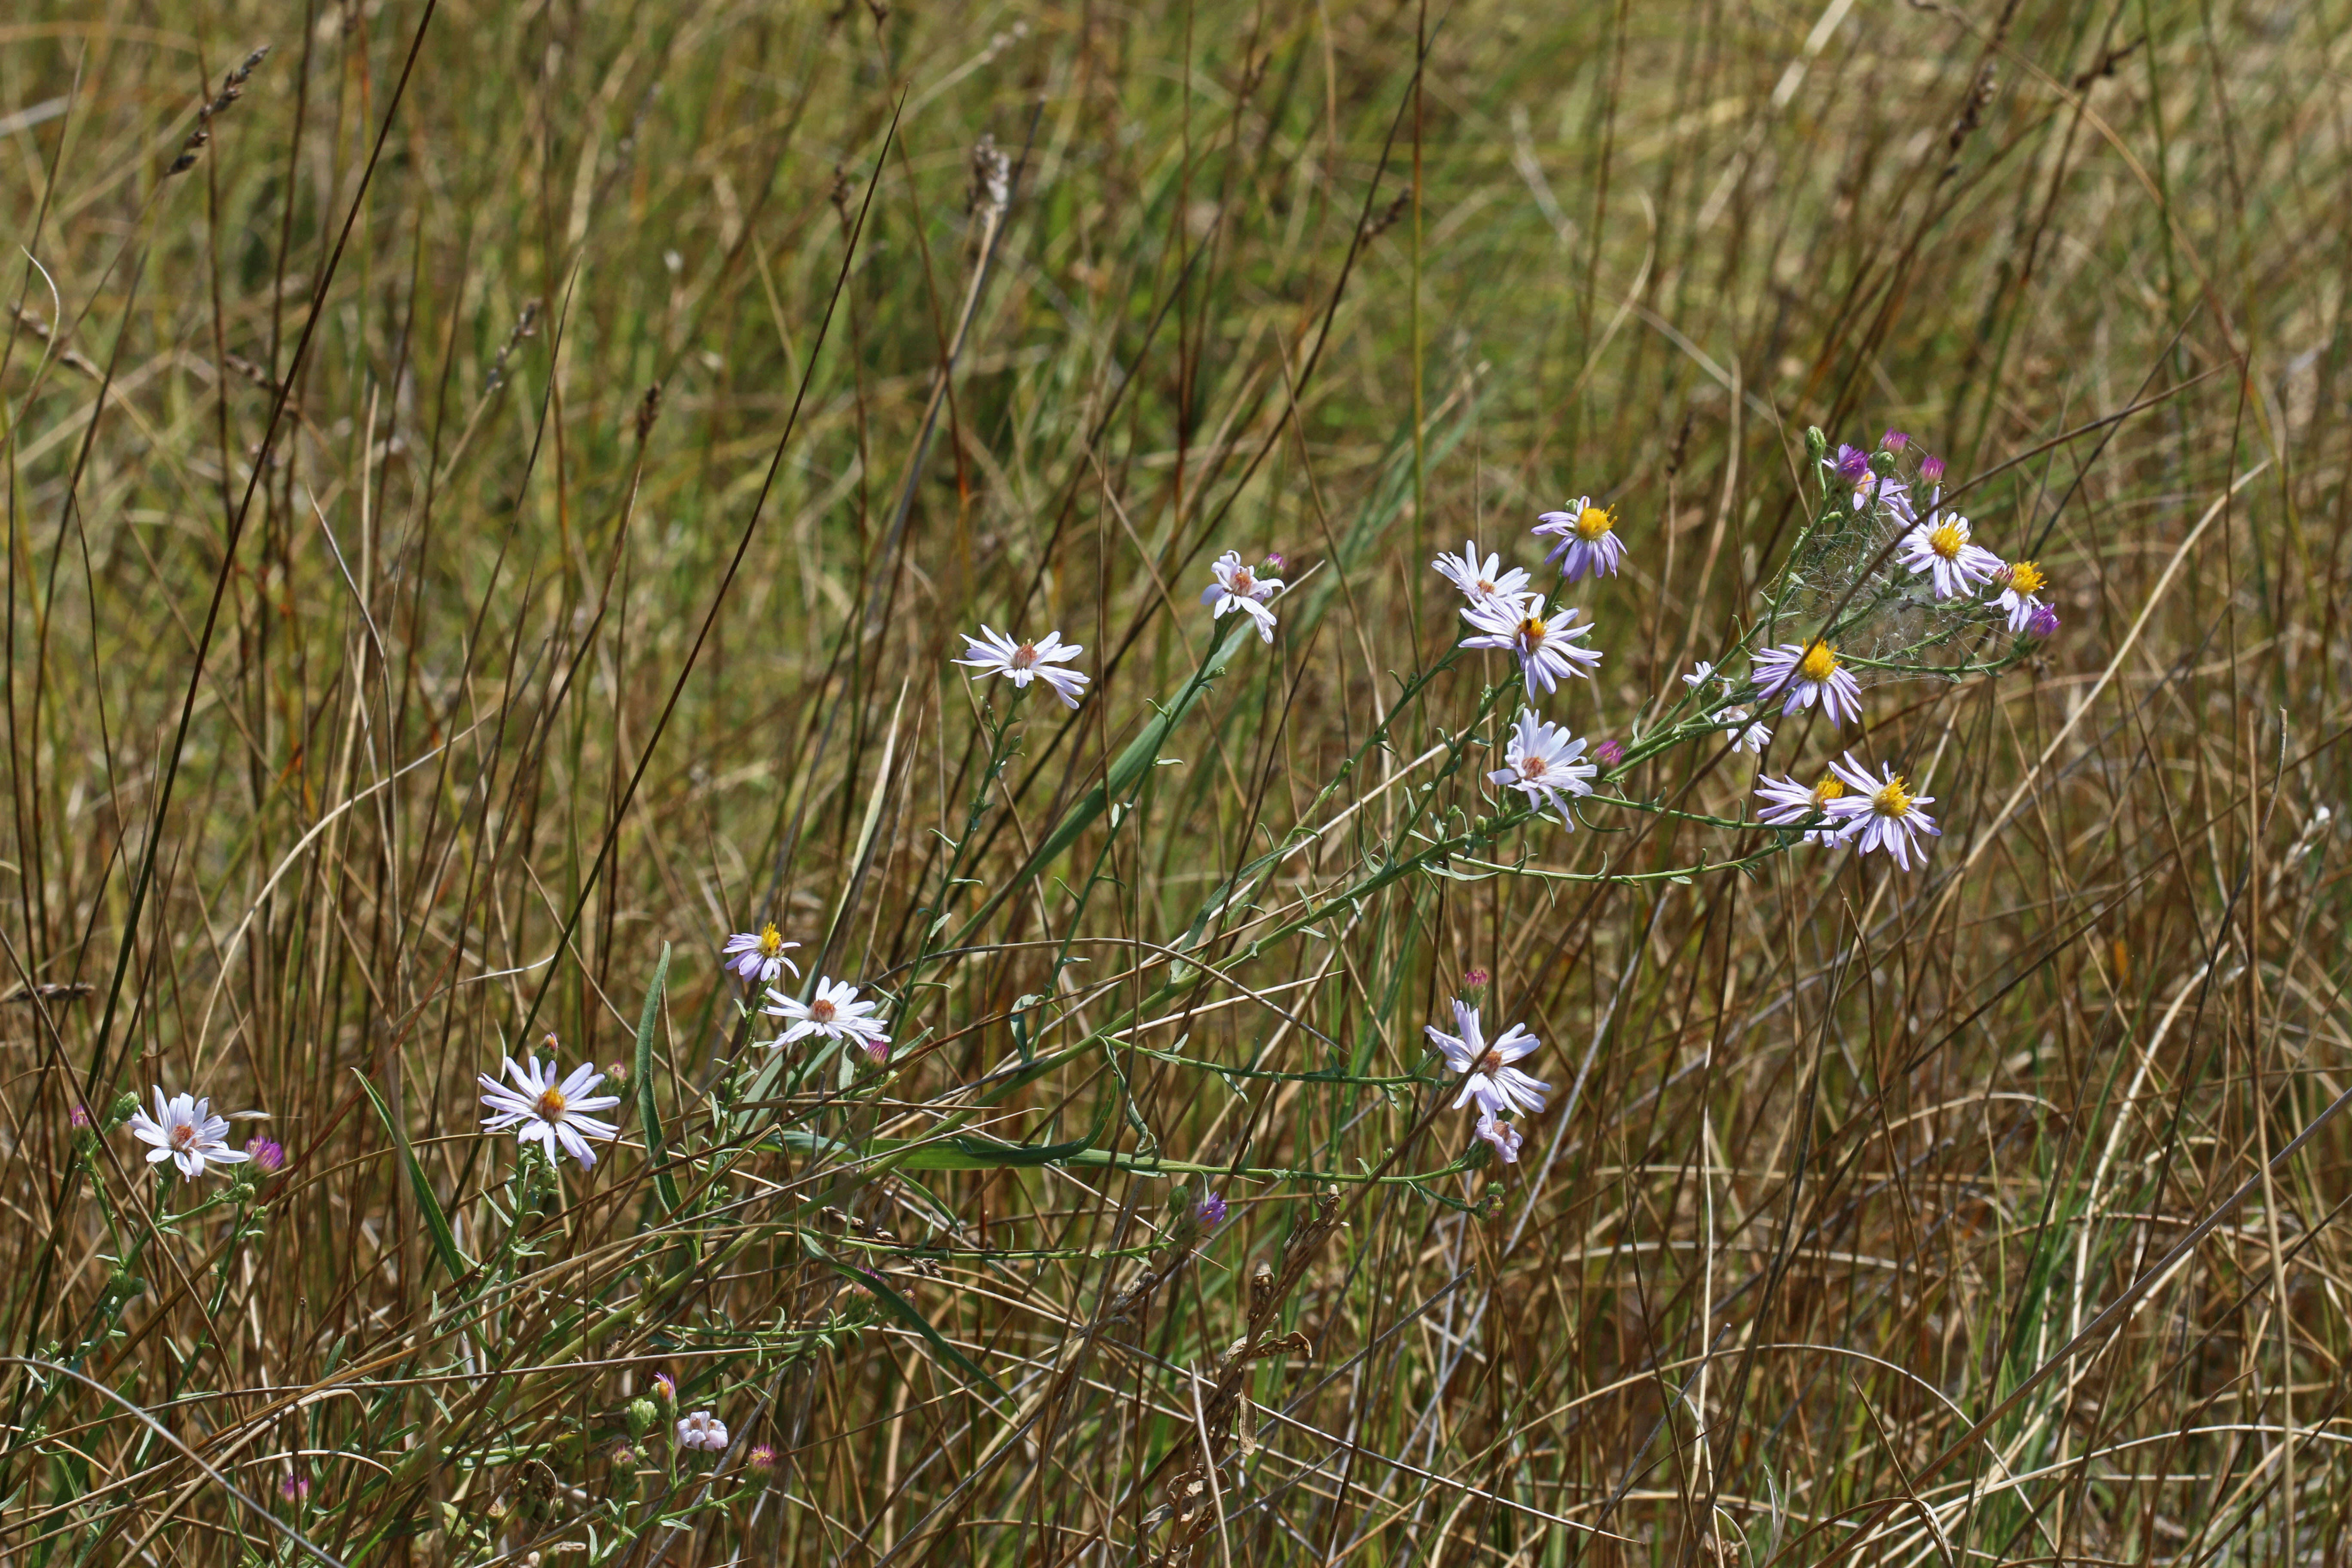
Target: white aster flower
[[543, 1110], [1788, 803], [1239, 587], [1701, 673], [1802, 673], [1483, 583], [1545, 762], [1493, 1082], [1881, 813], [1939, 549], [702, 1430], [2020, 582], [759, 955], [1545, 647], [184, 1131], [993, 653], [1504, 1136], [1587, 539], [1752, 737], [835, 1013]]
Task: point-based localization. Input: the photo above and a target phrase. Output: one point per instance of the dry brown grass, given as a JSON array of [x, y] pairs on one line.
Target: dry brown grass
[[333, 777]]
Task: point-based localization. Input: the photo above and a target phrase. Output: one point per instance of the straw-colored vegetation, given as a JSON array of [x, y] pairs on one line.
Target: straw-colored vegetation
[[490, 503]]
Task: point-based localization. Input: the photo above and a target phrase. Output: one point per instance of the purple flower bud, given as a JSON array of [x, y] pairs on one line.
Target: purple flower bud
[[268, 1154], [2043, 622], [666, 1388], [1274, 561], [1210, 1211], [1853, 463], [623, 1455], [294, 1489], [78, 1117], [1608, 753], [1931, 471], [763, 1458], [1894, 440]]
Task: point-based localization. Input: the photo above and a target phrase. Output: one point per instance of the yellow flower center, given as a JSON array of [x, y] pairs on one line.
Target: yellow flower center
[[1892, 799], [1828, 789], [1531, 633], [1819, 664], [2025, 578], [821, 1011], [771, 941], [550, 1104], [1593, 521], [1946, 538]]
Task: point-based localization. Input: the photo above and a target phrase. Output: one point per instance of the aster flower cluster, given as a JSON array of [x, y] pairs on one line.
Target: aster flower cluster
[[1542, 759], [1888, 559]]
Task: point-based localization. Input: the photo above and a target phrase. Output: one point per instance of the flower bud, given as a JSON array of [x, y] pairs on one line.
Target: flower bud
[[1474, 986], [642, 1414]]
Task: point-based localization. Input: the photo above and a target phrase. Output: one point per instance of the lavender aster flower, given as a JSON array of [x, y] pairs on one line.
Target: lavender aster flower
[[759, 955], [1805, 673], [2020, 582], [1484, 582], [1546, 764], [1751, 737], [543, 1110], [1493, 1082], [268, 1154], [2044, 622], [1608, 753], [1545, 646], [1788, 803], [993, 653], [1504, 1136], [1881, 813], [1238, 588], [1939, 549], [184, 1131], [1210, 1211], [1587, 539], [833, 1014], [702, 1431], [1894, 440]]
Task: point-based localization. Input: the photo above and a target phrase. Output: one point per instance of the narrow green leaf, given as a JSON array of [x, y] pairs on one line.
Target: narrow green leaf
[[445, 1240], [1127, 770], [657, 1147], [905, 1310]]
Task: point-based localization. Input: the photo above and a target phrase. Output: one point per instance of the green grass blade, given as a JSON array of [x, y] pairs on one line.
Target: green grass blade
[[642, 1068]]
